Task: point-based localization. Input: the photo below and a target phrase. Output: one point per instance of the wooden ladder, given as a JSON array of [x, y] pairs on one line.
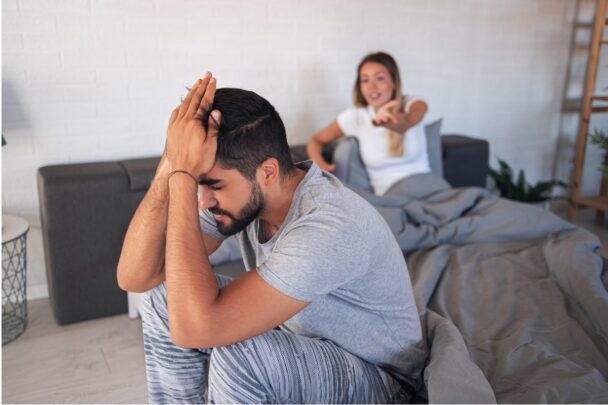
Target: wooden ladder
[[589, 106]]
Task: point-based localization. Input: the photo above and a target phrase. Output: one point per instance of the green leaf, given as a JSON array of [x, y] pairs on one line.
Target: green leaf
[[521, 190], [600, 138], [521, 186]]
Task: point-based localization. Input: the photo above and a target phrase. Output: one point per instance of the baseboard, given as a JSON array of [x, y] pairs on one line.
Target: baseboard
[[36, 292]]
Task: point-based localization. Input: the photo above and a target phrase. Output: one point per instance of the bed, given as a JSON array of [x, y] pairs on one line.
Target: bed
[[513, 300]]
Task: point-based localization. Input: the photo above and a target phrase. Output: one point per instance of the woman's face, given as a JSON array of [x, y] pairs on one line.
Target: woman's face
[[376, 84]]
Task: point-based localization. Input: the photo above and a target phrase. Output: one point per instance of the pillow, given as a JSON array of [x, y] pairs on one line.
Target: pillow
[[349, 166], [433, 146], [350, 169]]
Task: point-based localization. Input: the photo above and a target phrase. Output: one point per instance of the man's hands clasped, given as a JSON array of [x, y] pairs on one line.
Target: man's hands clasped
[[190, 147]]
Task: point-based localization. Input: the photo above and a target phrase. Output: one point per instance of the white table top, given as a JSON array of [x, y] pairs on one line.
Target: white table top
[[13, 227]]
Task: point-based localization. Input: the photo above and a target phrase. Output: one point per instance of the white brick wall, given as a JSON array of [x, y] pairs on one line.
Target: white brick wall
[[87, 80]]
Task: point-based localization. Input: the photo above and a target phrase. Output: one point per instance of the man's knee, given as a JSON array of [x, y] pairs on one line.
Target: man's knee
[[236, 374], [230, 360]]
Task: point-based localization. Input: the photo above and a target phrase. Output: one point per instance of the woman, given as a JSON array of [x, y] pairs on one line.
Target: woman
[[388, 125]]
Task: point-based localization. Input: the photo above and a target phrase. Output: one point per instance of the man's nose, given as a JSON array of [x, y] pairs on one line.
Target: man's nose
[[206, 198]]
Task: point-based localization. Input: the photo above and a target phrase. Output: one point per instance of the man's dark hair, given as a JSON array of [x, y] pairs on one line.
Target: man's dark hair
[[250, 132]]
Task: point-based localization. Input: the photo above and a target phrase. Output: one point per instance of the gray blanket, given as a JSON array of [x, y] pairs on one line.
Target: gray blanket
[[510, 295]]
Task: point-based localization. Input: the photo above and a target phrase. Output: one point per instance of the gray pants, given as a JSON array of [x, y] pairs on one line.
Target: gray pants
[[275, 367]]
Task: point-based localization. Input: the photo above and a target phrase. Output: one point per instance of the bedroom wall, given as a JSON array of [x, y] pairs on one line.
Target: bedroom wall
[[88, 80]]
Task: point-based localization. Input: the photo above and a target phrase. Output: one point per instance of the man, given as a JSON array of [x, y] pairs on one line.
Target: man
[[326, 313]]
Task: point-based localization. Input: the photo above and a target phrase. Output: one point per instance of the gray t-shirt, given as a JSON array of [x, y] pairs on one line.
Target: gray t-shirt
[[336, 251]]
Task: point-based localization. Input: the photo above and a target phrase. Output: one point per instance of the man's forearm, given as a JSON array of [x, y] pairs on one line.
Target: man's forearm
[[191, 285], [142, 257]]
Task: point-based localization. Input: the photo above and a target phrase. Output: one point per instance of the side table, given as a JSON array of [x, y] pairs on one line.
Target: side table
[[14, 265]]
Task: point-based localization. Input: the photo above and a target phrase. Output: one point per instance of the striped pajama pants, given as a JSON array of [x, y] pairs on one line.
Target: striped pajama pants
[[275, 367]]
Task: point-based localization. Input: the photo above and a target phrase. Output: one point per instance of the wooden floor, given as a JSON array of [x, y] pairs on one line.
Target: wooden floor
[[101, 361]]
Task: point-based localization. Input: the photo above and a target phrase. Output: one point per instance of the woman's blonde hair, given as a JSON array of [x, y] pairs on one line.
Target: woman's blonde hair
[[395, 140]]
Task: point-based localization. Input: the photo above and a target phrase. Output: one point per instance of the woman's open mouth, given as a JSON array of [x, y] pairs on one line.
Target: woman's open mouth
[[375, 96]]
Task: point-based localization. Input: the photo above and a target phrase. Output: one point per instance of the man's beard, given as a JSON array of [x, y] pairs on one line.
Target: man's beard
[[251, 210]]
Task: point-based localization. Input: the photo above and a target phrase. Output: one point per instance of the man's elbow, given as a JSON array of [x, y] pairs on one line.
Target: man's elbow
[[127, 284], [124, 282], [134, 279]]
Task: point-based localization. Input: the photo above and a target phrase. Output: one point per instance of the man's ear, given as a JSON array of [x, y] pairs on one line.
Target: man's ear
[[268, 171]]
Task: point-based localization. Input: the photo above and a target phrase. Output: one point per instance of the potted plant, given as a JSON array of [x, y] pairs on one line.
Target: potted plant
[[520, 189], [600, 138]]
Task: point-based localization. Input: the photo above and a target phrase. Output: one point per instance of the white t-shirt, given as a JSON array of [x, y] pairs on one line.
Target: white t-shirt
[[384, 170]]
